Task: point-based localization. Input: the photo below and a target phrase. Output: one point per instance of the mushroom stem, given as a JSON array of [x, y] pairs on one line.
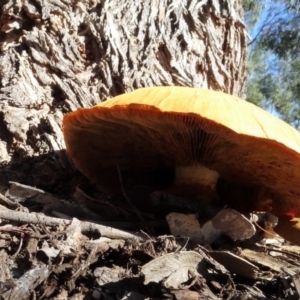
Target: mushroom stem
[[197, 175]]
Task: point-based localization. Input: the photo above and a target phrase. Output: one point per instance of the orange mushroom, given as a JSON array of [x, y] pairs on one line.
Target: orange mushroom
[[201, 135]]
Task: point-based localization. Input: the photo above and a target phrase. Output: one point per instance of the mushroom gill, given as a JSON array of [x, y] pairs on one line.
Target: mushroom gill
[[200, 136]]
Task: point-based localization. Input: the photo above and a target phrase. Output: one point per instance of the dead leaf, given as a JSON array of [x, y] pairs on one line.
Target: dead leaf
[[185, 295], [210, 233], [173, 268], [233, 224], [265, 260], [184, 225], [106, 275]]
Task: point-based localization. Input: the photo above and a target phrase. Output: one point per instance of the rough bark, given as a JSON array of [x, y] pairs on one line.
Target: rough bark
[[58, 55]]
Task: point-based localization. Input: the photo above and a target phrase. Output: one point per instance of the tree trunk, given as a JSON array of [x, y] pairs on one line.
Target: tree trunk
[[58, 55]]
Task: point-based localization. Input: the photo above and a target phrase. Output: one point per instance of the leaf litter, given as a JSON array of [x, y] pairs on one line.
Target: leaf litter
[[95, 246]]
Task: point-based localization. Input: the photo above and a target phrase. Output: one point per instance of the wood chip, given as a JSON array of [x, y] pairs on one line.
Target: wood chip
[[235, 264]]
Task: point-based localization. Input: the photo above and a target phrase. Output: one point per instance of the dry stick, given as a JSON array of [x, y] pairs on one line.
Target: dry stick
[[274, 235], [19, 248], [4, 200], [129, 201], [49, 221], [294, 255]]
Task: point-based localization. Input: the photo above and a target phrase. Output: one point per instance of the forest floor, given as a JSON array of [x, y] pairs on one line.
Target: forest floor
[[94, 246]]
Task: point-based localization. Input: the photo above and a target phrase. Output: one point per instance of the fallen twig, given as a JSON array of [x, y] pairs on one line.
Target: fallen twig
[[5, 201], [50, 221], [15, 230]]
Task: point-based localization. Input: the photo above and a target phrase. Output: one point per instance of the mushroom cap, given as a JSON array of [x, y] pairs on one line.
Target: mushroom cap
[[180, 126]]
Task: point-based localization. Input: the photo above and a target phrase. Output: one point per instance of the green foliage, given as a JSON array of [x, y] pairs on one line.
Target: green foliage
[[253, 10], [283, 35], [274, 57], [259, 82]]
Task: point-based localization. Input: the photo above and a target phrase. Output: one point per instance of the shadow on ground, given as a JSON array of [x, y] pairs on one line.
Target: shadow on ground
[[52, 172]]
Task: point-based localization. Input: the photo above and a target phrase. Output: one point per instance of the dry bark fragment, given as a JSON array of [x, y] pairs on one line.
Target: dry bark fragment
[[28, 282]]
